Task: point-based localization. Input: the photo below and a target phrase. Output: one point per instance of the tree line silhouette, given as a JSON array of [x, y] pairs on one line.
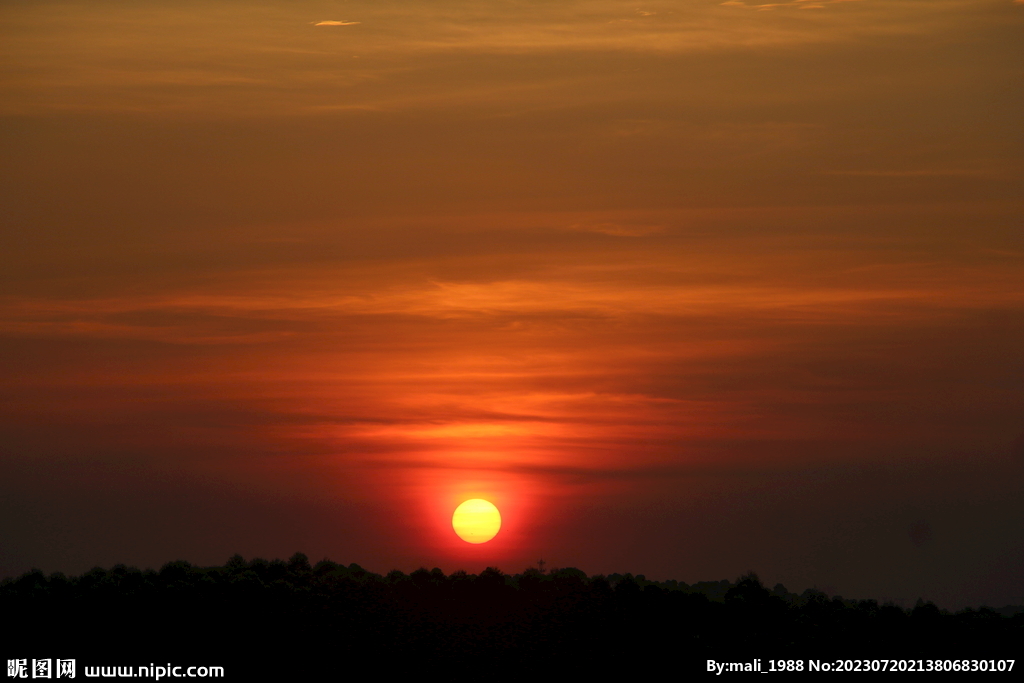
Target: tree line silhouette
[[289, 617]]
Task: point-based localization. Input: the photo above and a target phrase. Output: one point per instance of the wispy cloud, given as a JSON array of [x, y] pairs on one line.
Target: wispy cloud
[[795, 4], [912, 173], [618, 229], [78, 60]]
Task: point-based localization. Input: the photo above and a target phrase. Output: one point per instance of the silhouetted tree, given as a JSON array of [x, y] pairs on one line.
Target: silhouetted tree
[[265, 617]]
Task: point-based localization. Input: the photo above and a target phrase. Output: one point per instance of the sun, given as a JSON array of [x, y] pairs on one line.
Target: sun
[[476, 521]]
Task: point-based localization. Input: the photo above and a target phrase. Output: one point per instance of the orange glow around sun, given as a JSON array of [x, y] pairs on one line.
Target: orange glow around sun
[[476, 521]]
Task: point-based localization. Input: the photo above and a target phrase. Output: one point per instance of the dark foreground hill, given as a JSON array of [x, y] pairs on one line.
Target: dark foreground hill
[[290, 619]]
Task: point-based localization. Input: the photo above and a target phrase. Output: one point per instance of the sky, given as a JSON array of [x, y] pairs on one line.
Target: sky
[[686, 288]]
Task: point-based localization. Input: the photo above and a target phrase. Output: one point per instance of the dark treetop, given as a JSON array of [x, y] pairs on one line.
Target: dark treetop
[[287, 618]]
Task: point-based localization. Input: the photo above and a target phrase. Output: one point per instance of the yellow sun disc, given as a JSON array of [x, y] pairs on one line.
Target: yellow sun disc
[[476, 521]]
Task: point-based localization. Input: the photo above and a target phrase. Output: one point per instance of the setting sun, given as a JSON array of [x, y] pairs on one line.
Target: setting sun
[[476, 521]]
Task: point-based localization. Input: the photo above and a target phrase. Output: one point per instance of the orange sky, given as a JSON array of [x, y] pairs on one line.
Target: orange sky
[[686, 288]]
